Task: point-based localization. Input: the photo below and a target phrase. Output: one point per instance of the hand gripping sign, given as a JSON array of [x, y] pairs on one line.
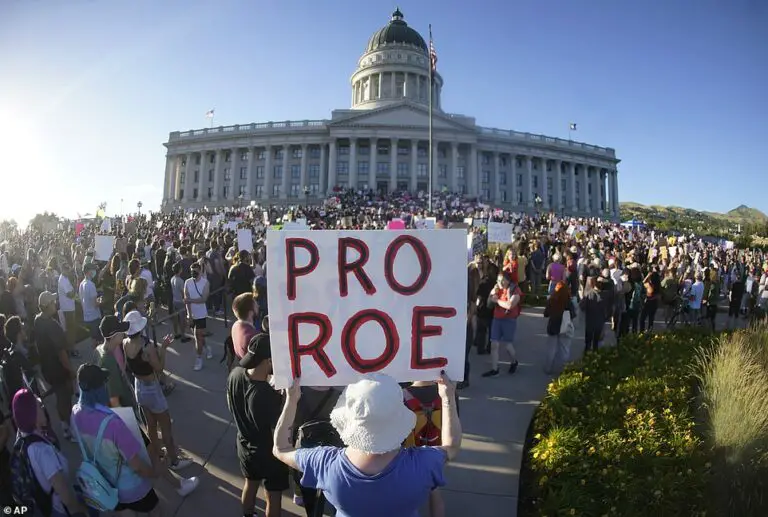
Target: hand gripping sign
[[346, 303]]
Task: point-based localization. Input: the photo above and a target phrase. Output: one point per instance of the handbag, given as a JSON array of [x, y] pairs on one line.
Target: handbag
[[566, 325]]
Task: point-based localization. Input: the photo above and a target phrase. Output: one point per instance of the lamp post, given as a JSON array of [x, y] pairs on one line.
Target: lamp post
[[306, 195], [121, 207], [240, 201], [139, 205]]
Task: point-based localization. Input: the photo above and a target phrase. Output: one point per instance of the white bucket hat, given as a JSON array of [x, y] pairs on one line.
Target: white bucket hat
[[370, 415], [136, 321]]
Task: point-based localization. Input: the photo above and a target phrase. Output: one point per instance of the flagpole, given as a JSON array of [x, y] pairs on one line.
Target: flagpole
[[431, 88]]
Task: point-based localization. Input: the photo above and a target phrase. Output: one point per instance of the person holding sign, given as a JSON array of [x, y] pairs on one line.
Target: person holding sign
[[506, 298], [373, 475]]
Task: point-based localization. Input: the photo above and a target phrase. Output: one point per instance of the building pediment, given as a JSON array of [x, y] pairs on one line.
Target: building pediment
[[401, 115]]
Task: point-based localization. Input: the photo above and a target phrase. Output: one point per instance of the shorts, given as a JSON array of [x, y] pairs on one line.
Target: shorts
[[272, 471], [178, 307], [149, 395], [503, 329], [93, 329], [144, 505], [199, 324]]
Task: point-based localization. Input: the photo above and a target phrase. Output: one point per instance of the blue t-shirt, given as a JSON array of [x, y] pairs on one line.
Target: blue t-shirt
[[400, 489]]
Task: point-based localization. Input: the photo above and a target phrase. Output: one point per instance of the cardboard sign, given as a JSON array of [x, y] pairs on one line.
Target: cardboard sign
[[347, 303], [427, 223], [500, 232], [244, 239], [103, 246], [396, 224], [127, 415], [106, 225]]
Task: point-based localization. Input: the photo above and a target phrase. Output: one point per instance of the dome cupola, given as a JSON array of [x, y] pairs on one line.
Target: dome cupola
[[396, 32]]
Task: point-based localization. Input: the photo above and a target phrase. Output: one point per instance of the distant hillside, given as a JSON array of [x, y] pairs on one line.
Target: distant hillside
[[751, 221]]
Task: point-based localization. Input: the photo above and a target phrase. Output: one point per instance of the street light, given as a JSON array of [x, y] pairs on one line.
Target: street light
[[306, 195], [240, 201], [139, 205]]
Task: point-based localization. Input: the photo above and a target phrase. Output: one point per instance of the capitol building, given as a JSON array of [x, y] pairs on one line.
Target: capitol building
[[382, 143]]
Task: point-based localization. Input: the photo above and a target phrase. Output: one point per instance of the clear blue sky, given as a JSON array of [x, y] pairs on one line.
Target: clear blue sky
[[89, 90]]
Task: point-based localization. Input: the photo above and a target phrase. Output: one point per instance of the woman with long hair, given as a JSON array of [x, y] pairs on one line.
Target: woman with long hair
[[558, 344]]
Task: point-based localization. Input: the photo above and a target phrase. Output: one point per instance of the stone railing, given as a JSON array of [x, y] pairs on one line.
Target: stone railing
[[248, 128], [530, 137]]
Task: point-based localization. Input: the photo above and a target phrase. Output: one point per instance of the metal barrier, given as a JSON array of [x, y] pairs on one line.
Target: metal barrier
[[155, 321]]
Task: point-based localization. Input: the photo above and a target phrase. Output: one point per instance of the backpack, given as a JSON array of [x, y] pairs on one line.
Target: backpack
[[318, 432], [637, 296], [428, 421], [25, 487], [98, 492]]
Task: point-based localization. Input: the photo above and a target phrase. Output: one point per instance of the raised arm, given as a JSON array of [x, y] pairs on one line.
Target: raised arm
[[283, 449], [450, 433]]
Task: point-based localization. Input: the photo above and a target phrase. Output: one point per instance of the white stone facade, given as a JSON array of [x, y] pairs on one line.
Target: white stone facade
[[382, 144]]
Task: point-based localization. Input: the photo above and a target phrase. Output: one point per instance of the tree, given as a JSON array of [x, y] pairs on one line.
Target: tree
[[38, 222]]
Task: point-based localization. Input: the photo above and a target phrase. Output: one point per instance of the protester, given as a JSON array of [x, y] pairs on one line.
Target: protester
[[196, 291], [243, 330], [558, 341], [506, 299]]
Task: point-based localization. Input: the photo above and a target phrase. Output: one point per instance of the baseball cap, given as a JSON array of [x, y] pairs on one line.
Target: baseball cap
[[91, 377], [111, 325], [259, 349], [46, 298]]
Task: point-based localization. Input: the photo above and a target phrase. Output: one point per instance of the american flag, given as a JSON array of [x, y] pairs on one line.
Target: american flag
[[573, 126], [209, 114], [432, 53]]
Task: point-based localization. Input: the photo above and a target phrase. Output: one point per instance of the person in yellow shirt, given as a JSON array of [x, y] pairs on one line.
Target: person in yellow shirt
[[522, 264]]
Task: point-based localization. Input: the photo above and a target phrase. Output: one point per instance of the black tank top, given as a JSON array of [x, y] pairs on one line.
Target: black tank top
[[138, 365]]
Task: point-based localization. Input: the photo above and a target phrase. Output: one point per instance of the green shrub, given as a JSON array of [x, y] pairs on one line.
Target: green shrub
[[616, 434], [734, 382]]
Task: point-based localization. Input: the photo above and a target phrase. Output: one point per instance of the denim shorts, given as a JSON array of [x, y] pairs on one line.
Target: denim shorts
[[503, 329], [149, 395]]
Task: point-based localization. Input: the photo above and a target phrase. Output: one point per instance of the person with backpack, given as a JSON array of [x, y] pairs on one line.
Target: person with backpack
[[506, 299], [39, 470]]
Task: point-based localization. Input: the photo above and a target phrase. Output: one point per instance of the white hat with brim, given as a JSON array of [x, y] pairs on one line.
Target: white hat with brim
[[136, 321], [371, 417]]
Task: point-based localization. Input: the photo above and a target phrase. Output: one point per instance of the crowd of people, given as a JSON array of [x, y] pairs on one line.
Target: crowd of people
[[347, 448]]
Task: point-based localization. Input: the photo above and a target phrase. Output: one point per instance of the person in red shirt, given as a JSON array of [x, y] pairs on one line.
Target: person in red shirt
[[511, 264], [506, 298]]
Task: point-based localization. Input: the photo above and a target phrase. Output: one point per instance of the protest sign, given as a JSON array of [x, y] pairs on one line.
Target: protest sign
[[427, 223], [103, 246], [295, 225], [128, 417], [79, 227], [500, 232], [347, 303], [244, 239], [106, 225], [396, 224]]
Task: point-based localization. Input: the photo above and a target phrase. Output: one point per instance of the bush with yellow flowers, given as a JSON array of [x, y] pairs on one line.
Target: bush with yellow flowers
[[616, 434]]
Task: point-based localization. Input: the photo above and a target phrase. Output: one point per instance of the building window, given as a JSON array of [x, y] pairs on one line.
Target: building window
[[562, 185], [442, 171], [382, 169], [241, 191], [228, 156], [463, 189], [503, 196], [549, 183], [314, 152], [210, 193], [314, 171], [194, 193], [277, 172], [227, 174], [182, 177], [402, 170], [296, 152], [519, 162], [460, 172], [535, 182], [279, 154], [244, 156], [197, 160], [383, 150], [486, 159], [589, 189], [212, 158], [259, 172], [210, 175], [260, 155], [535, 165], [486, 178], [314, 188], [342, 168], [181, 193], [364, 151], [422, 152], [550, 199], [294, 190], [502, 178], [276, 190], [503, 161], [486, 193], [403, 151], [183, 162], [519, 180], [243, 173], [343, 151], [226, 191], [295, 171], [421, 170], [549, 166], [362, 168], [519, 198], [562, 201], [197, 176], [259, 190]]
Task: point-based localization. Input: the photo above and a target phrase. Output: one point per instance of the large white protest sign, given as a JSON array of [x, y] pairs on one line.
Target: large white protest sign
[[103, 246], [127, 415], [245, 239], [295, 225], [346, 303], [500, 232]]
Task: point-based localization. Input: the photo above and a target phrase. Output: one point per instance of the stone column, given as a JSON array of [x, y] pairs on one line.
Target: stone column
[[529, 181], [331, 166], [392, 90], [544, 186], [353, 163], [173, 180], [217, 175], [374, 150], [188, 176], [496, 181], [393, 144], [381, 80], [249, 193], [267, 192], [513, 179], [472, 177], [323, 178], [286, 178], [454, 167], [585, 189], [600, 181], [304, 171], [414, 164], [169, 158], [234, 165], [571, 175], [557, 187]]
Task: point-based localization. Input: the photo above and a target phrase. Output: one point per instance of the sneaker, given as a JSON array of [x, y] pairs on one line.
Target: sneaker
[[491, 373], [513, 367], [188, 486], [198, 364], [208, 352], [298, 500], [180, 463]]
